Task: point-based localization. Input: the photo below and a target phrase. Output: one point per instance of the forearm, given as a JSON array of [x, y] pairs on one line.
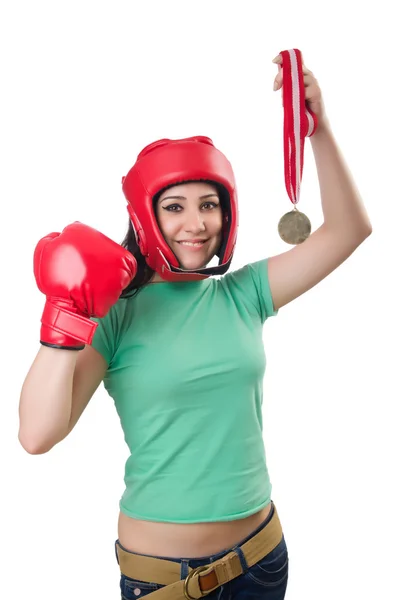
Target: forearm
[[340, 199], [46, 399]]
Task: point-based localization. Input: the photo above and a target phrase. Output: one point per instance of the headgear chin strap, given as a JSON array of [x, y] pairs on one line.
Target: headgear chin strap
[[170, 162]]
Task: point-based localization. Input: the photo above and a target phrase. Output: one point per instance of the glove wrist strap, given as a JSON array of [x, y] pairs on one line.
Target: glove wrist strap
[[59, 320]]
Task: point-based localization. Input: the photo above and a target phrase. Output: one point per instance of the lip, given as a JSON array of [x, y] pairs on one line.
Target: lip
[[194, 248], [193, 241]]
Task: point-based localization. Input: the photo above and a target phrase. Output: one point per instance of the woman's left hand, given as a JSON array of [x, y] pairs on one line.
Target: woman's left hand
[[313, 93]]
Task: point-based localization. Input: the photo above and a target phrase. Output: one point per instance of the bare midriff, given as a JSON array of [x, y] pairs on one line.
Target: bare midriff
[[185, 540]]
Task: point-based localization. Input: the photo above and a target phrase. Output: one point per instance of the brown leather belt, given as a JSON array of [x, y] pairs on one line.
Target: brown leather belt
[[202, 580]]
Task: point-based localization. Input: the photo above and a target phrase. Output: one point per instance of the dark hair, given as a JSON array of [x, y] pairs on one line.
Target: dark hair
[[145, 273]]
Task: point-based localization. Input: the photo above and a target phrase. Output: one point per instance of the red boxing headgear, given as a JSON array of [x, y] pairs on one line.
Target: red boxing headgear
[[166, 163]]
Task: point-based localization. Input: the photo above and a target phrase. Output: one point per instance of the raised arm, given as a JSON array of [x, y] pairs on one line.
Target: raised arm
[[346, 222]]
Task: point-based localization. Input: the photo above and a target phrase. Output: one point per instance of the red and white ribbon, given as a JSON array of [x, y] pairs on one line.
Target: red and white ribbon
[[299, 121]]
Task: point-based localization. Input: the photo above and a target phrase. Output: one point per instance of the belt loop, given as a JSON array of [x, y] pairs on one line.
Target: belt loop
[[184, 568], [115, 549], [242, 558]]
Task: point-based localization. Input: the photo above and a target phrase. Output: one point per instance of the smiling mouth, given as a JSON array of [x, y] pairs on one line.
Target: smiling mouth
[[193, 244]]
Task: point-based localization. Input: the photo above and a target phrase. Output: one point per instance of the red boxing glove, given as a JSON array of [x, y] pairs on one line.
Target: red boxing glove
[[82, 273]]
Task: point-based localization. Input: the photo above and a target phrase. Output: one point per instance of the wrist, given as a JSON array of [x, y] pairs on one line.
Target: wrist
[[323, 126], [62, 326]]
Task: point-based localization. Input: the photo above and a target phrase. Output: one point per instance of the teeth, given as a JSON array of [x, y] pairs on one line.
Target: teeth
[[190, 243]]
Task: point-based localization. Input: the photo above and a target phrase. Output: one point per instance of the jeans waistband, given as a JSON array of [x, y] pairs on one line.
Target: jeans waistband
[[201, 561]]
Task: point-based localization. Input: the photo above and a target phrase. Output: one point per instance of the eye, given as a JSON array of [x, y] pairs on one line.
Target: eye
[[169, 208], [172, 206], [214, 204]]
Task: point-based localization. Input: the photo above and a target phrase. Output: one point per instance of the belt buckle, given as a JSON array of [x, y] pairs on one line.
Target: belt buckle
[[188, 578]]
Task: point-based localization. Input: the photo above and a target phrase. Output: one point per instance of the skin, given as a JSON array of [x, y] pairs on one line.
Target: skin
[[193, 217]]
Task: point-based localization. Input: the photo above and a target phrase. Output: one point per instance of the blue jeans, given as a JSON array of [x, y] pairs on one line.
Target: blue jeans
[[266, 580]]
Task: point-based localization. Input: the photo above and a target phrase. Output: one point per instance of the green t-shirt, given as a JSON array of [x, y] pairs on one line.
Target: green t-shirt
[[185, 370]]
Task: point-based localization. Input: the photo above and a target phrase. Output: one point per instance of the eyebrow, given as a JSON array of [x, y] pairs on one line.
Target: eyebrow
[[183, 197]]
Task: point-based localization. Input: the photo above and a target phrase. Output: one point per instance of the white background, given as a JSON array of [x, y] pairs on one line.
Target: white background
[[85, 85]]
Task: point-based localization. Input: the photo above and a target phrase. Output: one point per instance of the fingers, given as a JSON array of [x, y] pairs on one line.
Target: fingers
[[307, 80], [308, 76]]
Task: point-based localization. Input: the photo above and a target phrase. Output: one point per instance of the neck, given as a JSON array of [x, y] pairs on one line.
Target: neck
[[157, 279]]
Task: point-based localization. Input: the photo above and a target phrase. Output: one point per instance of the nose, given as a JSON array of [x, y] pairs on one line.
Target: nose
[[194, 222]]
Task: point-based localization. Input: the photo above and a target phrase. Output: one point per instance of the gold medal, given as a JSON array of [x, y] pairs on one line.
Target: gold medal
[[294, 227], [299, 122]]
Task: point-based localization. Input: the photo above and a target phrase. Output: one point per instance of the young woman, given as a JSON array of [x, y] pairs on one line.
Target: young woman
[[181, 354]]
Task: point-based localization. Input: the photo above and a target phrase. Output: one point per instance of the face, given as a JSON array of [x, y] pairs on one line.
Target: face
[[190, 218]]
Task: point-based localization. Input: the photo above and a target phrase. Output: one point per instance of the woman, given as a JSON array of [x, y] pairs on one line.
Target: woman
[[181, 354]]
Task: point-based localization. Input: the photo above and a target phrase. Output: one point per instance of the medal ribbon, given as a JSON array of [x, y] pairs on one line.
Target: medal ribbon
[[299, 121]]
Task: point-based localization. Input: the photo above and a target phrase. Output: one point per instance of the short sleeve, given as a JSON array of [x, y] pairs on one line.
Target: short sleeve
[[252, 281], [103, 340], [260, 279]]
